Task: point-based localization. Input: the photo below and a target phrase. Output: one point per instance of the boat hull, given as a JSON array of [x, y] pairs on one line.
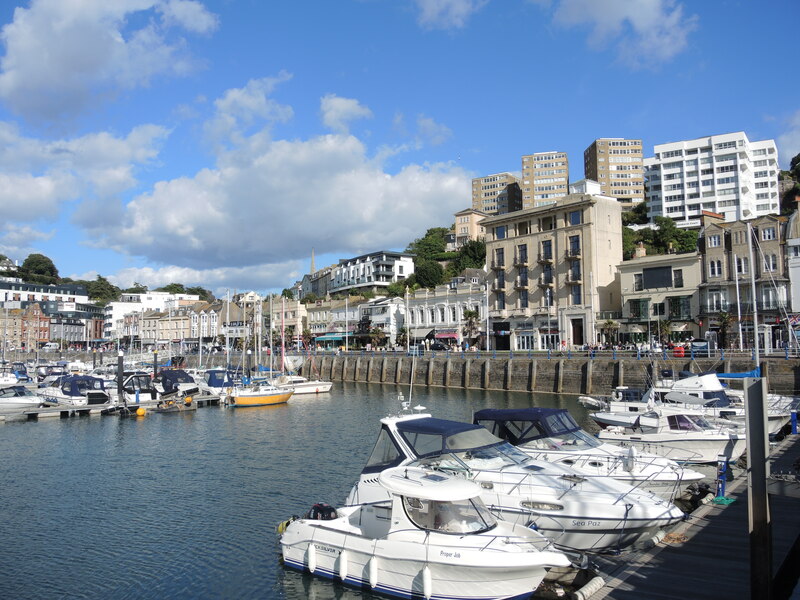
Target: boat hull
[[406, 570], [686, 449], [243, 401]]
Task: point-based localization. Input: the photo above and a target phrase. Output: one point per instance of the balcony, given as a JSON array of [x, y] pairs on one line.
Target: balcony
[[573, 254], [545, 258], [521, 260], [573, 278], [545, 281], [521, 283], [498, 265], [499, 286], [680, 316]]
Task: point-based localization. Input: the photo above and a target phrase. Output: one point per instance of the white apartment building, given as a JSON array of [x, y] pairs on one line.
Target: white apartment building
[[114, 326], [726, 174], [373, 271]]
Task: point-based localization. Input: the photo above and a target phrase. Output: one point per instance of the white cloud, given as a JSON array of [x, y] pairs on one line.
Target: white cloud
[[16, 240], [337, 112], [240, 108], [447, 14], [432, 132], [37, 176], [63, 56], [273, 201], [259, 277], [647, 32], [789, 141]]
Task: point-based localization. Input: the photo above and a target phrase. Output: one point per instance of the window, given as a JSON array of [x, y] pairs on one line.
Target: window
[[523, 276], [522, 253], [547, 300], [770, 262], [742, 265], [713, 241], [501, 232], [499, 257], [677, 278], [715, 268], [501, 300], [659, 309], [523, 299], [547, 249], [576, 295], [768, 233], [638, 286], [574, 245], [574, 217]]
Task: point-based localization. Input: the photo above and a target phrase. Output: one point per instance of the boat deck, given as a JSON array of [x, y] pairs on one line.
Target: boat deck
[[709, 555]]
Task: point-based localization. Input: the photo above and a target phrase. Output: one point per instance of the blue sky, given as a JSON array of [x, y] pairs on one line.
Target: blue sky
[[217, 142]]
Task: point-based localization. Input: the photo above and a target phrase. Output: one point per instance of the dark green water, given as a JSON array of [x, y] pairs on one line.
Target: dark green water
[[185, 505]]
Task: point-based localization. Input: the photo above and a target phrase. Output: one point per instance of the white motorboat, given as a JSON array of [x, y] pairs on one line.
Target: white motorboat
[[15, 397], [702, 394], [76, 390], [576, 511], [432, 537], [302, 385], [552, 434], [684, 437]]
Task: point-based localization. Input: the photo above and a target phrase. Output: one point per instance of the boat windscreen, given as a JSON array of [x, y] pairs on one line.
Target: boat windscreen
[[385, 454], [425, 444]]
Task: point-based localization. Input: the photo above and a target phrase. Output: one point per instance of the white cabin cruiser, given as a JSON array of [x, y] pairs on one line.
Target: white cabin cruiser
[[552, 434], [430, 537], [302, 385], [15, 397], [76, 390], [576, 511], [687, 438]]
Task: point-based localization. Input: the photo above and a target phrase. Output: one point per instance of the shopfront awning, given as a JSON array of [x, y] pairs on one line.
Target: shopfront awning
[[420, 333], [329, 336], [445, 334]]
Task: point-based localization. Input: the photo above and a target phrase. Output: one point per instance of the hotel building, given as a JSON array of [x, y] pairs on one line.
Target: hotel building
[[617, 165]]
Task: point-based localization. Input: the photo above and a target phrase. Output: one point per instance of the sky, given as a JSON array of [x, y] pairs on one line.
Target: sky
[[217, 142]]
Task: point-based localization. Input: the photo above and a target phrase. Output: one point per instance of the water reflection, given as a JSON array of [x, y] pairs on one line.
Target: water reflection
[[185, 506]]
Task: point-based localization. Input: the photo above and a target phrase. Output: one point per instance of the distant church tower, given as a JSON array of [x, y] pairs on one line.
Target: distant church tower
[[313, 270]]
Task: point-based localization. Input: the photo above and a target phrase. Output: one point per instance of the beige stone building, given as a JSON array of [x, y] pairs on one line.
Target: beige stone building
[[467, 228], [545, 176], [552, 269], [11, 327], [488, 190], [728, 273], [617, 165], [659, 289]]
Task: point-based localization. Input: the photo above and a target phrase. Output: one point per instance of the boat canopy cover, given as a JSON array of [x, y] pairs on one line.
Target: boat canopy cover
[[170, 378], [79, 385], [218, 378], [429, 436], [425, 484], [754, 373], [520, 425]]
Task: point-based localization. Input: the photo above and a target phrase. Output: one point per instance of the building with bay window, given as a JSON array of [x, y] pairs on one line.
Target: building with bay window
[[552, 268]]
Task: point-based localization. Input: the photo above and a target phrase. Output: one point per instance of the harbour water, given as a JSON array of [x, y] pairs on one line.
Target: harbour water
[[185, 505]]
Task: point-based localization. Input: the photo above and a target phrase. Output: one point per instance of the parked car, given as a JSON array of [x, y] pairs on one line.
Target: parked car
[[439, 347]]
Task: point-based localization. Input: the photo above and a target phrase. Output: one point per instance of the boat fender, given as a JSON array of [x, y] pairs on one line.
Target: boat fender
[[281, 528], [426, 582], [373, 572], [592, 586], [343, 565], [311, 558]]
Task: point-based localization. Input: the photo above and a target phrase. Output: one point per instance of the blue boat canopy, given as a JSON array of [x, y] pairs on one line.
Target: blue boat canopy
[[79, 385], [520, 425], [754, 373], [430, 437], [218, 378], [170, 378]]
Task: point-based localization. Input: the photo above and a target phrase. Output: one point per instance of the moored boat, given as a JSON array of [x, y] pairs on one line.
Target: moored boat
[[302, 385], [262, 394], [431, 538]]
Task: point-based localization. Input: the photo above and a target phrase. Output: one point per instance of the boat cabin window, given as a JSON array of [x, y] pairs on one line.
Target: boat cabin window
[[716, 399], [561, 422], [459, 517], [572, 441], [681, 423], [384, 454]]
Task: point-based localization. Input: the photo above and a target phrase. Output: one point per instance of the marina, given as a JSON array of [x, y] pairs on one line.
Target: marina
[[227, 478]]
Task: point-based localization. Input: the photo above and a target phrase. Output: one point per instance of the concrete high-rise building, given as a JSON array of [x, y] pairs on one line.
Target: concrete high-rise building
[[616, 164], [487, 189], [545, 176], [726, 174]]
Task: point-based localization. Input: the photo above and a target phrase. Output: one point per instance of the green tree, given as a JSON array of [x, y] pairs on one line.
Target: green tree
[[725, 320], [136, 288], [377, 337], [101, 290], [172, 288], [471, 326], [309, 298], [402, 336], [204, 294], [429, 273], [609, 328], [287, 293], [471, 255], [663, 329], [396, 289], [430, 245], [307, 338], [636, 216], [38, 268]]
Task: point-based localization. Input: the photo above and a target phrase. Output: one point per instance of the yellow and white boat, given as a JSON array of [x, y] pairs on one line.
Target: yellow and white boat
[[262, 394]]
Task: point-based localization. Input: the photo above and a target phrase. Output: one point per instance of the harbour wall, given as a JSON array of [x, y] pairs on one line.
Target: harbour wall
[[556, 374]]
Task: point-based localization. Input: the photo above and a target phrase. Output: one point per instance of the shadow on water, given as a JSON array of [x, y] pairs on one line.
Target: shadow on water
[[185, 506]]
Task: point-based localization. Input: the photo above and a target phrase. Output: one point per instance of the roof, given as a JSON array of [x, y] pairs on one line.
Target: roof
[[427, 485]]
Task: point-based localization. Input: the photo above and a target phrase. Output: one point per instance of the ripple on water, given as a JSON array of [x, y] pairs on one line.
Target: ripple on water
[[185, 506]]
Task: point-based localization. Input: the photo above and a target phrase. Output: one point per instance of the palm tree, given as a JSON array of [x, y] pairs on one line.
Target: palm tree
[[402, 336], [609, 328], [377, 337], [725, 320], [471, 326], [663, 330]]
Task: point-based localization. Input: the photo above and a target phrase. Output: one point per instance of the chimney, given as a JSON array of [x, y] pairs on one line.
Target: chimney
[[640, 251]]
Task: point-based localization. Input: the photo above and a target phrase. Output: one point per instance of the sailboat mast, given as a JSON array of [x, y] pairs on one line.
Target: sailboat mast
[[753, 294], [283, 335]]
